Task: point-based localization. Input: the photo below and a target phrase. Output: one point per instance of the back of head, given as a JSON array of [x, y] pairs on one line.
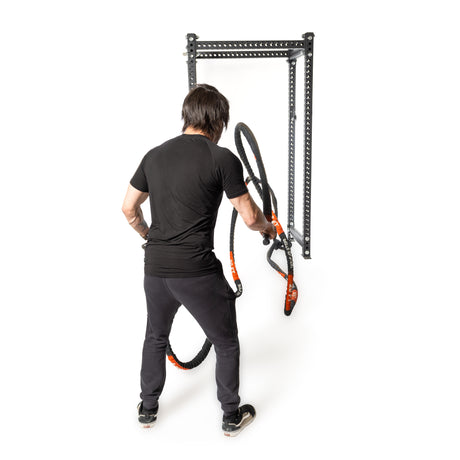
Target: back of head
[[206, 110]]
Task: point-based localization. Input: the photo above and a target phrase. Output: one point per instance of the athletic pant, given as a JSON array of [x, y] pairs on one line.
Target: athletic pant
[[211, 302]]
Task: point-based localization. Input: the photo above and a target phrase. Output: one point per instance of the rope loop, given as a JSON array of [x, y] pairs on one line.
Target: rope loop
[[268, 197]]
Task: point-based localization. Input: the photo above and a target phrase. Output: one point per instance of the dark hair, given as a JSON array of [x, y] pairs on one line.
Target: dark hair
[[206, 109]]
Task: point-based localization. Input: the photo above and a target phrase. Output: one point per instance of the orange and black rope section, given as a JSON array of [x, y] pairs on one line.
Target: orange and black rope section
[[268, 198]]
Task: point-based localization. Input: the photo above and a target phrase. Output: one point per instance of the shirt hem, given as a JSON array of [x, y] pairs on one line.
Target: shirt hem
[[148, 271]]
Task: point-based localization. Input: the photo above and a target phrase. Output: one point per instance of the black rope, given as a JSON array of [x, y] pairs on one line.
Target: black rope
[[268, 197], [196, 361], [262, 184]]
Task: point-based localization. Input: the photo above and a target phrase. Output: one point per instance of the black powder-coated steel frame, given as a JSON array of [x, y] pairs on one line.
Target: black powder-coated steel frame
[[291, 50]]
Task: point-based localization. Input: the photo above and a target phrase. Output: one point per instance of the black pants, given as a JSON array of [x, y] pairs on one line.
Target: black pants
[[211, 302]]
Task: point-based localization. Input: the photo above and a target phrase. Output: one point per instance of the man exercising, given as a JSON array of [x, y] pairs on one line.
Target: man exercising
[[185, 178]]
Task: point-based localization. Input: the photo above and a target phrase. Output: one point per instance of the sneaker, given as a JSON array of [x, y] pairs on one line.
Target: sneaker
[[147, 417], [232, 425]]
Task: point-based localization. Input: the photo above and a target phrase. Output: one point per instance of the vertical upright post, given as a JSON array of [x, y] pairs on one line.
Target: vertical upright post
[[307, 142], [291, 146], [191, 61]]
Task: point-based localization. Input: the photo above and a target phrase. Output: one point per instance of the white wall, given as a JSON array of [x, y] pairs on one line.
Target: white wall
[[367, 365]]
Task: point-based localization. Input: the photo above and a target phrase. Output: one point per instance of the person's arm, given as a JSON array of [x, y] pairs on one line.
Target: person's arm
[[252, 216], [132, 210]]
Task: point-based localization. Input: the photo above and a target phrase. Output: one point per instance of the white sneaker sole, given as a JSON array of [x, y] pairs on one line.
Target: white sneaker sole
[[246, 422], [147, 425]]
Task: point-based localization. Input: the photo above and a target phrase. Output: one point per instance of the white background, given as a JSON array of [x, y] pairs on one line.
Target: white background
[[367, 367]]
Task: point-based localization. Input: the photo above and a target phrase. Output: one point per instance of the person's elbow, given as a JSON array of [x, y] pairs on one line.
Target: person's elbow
[[250, 219], [128, 210], [247, 209], [132, 202]]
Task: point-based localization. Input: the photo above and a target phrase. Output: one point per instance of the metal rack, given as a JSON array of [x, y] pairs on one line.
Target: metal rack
[[291, 50]]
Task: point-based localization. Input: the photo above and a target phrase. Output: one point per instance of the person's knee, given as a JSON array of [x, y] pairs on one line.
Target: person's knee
[[156, 340], [227, 347], [157, 333]]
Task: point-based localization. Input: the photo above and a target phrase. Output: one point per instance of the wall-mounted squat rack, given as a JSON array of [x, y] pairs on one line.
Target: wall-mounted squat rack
[[291, 50]]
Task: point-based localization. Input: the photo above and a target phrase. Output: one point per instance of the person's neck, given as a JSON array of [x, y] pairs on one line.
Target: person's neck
[[191, 130]]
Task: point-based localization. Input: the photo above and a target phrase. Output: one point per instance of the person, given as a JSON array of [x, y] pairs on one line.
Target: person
[[184, 179]]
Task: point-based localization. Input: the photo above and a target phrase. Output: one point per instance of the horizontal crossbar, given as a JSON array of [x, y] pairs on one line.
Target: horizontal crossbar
[[254, 44], [241, 54]]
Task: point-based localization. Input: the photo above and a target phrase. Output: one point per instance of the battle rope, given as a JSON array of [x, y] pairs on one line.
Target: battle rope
[[196, 361], [268, 197]]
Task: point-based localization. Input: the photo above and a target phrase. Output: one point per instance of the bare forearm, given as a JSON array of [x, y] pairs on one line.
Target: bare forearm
[[137, 221], [252, 215], [260, 222], [132, 210]]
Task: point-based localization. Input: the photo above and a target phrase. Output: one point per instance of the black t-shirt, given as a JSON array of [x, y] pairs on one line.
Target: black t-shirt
[[185, 178]]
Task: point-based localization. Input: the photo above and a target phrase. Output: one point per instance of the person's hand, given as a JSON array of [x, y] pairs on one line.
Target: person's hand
[[269, 231]]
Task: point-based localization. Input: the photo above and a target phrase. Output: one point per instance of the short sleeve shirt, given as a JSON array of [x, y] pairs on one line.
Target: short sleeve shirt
[[186, 178]]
